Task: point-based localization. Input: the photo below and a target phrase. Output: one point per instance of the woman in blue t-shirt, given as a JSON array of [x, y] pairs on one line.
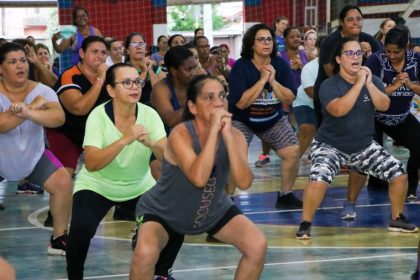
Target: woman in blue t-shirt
[[398, 68], [259, 84]]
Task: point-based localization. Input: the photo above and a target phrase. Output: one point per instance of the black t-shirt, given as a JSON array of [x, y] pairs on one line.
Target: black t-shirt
[[74, 126]]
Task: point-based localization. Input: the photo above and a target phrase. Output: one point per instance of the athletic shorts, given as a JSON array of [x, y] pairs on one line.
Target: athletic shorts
[[279, 136], [304, 115], [63, 148], [45, 167], [373, 160]]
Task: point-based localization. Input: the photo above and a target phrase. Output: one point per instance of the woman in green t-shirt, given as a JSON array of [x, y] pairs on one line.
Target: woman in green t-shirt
[[120, 137]]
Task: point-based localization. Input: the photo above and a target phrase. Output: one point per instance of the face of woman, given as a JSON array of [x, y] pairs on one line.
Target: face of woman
[[311, 40], [126, 88], [15, 68], [163, 44], [225, 52], [352, 23], [187, 70], [43, 55], [263, 43], [387, 26], [177, 41], [211, 97], [81, 18], [94, 55], [350, 58], [117, 50], [293, 39], [394, 53], [281, 26], [137, 47]]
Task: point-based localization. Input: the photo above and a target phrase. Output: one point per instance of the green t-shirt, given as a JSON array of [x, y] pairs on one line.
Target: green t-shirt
[[128, 174]]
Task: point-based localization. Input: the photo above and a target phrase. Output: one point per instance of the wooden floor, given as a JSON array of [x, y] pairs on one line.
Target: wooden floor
[[362, 249]]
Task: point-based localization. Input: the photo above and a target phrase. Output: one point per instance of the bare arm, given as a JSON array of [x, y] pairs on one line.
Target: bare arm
[[97, 158], [380, 100], [309, 91], [64, 44], [237, 149], [197, 168], [43, 74], [81, 104], [251, 94], [160, 99]]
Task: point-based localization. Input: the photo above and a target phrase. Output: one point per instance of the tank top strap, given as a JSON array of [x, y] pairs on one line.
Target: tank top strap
[[174, 100], [191, 129]]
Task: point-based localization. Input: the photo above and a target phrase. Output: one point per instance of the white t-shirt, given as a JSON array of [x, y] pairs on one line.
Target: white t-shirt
[[22, 147], [109, 62], [308, 78]]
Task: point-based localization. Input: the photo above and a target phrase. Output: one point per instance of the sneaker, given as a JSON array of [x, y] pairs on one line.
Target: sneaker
[[304, 232], [58, 246], [411, 198], [263, 160], [160, 277], [348, 212], [415, 276], [49, 220], [401, 224], [289, 201], [27, 187]]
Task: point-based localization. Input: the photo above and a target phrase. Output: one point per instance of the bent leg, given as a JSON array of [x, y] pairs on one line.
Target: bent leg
[[250, 241], [151, 240], [60, 187]]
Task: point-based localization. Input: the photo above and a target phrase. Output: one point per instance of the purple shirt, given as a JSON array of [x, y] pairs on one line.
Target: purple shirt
[[297, 72]]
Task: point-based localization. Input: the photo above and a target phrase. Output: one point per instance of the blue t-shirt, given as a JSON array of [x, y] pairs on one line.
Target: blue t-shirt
[[401, 98], [353, 131], [280, 43], [266, 109]]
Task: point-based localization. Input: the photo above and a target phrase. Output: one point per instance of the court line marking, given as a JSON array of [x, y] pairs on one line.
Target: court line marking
[[267, 264]]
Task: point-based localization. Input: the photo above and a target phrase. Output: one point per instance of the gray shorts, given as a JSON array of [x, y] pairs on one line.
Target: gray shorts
[[373, 160], [45, 167], [280, 135]]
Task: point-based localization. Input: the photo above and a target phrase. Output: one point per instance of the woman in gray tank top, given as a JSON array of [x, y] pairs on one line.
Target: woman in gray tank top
[[189, 197]]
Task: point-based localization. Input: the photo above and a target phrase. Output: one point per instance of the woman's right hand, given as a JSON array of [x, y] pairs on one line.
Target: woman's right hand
[[134, 132], [102, 71], [217, 116]]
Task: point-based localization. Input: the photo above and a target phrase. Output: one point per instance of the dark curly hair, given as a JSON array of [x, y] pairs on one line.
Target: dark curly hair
[[249, 40]]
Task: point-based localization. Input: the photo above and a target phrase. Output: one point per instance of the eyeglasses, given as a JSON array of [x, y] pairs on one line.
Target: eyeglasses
[[351, 53], [137, 44], [211, 97], [128, 84], [264, 40]]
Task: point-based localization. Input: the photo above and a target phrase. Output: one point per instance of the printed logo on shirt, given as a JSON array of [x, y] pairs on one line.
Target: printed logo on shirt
[[266, 98], [366, 98]]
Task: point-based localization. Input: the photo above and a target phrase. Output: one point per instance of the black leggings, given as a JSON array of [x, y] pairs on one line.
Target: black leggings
[[89, 208], [406, 134]]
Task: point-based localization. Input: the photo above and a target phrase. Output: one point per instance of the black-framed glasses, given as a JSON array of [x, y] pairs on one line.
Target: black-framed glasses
[[264, 40], [127, 83], [137, 44], [352, 53]]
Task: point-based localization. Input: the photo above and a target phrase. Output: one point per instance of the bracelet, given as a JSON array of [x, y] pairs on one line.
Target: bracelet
[[101, 81]]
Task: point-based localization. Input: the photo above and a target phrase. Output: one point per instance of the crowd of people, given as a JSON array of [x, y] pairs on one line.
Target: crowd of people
[[155, 134]]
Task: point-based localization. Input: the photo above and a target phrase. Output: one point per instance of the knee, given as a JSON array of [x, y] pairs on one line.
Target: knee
[[400, 180], [290, 153], [60, 182], [146, 255], [257, 248]]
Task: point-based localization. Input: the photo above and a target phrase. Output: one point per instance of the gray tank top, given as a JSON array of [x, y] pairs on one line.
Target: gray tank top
[[184, 207]]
